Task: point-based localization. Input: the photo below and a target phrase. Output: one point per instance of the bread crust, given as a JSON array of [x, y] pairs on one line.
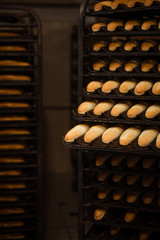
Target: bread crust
[[102, 107], [8, 77], [156, 88], [97, 26], [86, 107], [76, 132], [93, 133], [135, 110], [128, 136], [119, 108], [14, 63], [126, 86], [112, 26], [109, 86], [142, 87], [111, 134], [129, 25], [152, 111], [147, 137], [93, 86]]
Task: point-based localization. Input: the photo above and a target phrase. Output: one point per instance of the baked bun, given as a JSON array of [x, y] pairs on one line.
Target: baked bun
[[116, 3], [127, 85], [12, 186], [12, 236], [7, 77], [97, 26], [100, 160], [129, 25], [129, 46], [93, 86], [132, 197], [156, 88], [132, 3], [147, 137], [158, 141], [102, 107], [147, 180], [9, 34], [11, 224], [148, 198], [93, 133], [6, 211], [10, 173], [14, 63], [142, 87], [144, 235], [7, 91], [132, 179], [112, 26], [99, 213], [13, 118], [114, 45], [14, 132], [114, 65], [98, 65], [130, 66], [148, 24], [135, 110], [119, 108], [117, 177], [98, 6], [76, 132], [148, 3], [97, 46], [110, 85], [111, 134], [14, 105], [117, 195], [146, 45], [147, 66], [114, 230], [103, 193], [101, 176], [128, 136], [152, 111], [11, 159], [86, 107], [12, 146], [129, 217], [8, 198], [132, 161], [12, 48], [117, 159]]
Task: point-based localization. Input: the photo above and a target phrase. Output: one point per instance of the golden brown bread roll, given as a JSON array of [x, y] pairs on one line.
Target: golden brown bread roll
[[147, 66], [129, 217], [86, 106], [99, 213], [148, 198], [132, 161], [147, 24], [110, 85], [152, 111], [129, 25], [130, 66], [101, 176], [111, 134], [144, 235], [117, 177], [117, 195], [76, 132], [14, 105], [14, 132], [11, 146], [5, 91], [114, 45], [114, 65], [12, 224], [148, 162], [14, 63], [147, 180], [112, 26], [11, 159], [142, 87], [12, 48], [135, 110], [132, 3], [7, 77], [8, 198], [128, 136], [127, 85], [98, 6], [9, 34], [97, 46], [7, 211], [12, 236], [97, 26], [102, 107], [94, 85], [150, 2], [12, 185], [129, 46], [156, 88], [116, 3], [158, 141], [132, 197], [114, 230], [10, 173], [132, 179], [147, 137], [146, 45], [98, 65], [103, 193], [117, 159], [100, 159], [13, 118], [119, 108], [93, 133]]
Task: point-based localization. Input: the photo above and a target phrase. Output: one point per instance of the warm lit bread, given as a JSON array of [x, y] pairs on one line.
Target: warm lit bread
[[7, 77], [9, 34], [114, 45], [102, 107], [8, 198], [109, 86], [98, 65], [112, 26], [12, 48], [128, 136], [147, 137], [12, 185], [116, 3], [7, 91], [14, 132], [117, 177], [11, 146], [100, 159], [114, 65], [132, 161], [147, 180], [103, 193], [7, 211], [132, 197], [14, 105], [148, 198], [11, 159], [127, 85], [147, 66], [111, 134], [76, 132], [99, 213], [12, 224], [150, 2], [146, 45], [93, 86], [152, 111], [13, 118], [93, 133], [132, 179], [12, 236], [148, 162], [144, 235], [130, 66], [119, 108], [98, 6], [136, 110], [117, 195], [86, 107], [117, 159], [14, 63], [132, 3], [147, 24], [129, 46], [101, 176], [129, 217], [97, 26], [129, 25], [114, 230], [158, 141], [142, 87], [10, 173], [156, 88], [97, 46]]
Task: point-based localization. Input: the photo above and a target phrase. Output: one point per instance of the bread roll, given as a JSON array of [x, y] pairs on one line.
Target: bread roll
[[12, 48], [129, 25], [76, 132], [147, 180], [94, 85], [148, 2], [132, 197], [9, 34], [10, 173], [12, 186], [11, 146], [142, 87], [14, 132], [147, 24], [147, 66], [148, 198], [12, 236], [156, 88], [129, 46], [102, 107], [8, 198], [109, 86], [129, 217], [136, 110], [114, 230], [100, 160], [144, 235], [148, 162], [5, 91], [117, 159], [101, 176], [86, 106], [112, 26], [147, 137], [152, 111], [99, 213], [114, 65], [126, 86], [6, 211], [111, 134], [119, 108], [13, 118], [98, 65], [116, 3], [14, 105], [132, 179], [146, 45], [93, 133], [100, 5], [131, 3], [14, 63], [12, 224], [129, 135], [114, 45], [132, 161], [97, 46], [130, 66], [11, 159], [117, 195], [97, 26], [7, 77], [158, 141], [103, 193], [117, 177]]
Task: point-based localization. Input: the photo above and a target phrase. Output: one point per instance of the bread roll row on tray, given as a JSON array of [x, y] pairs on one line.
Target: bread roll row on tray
[[125, 137], [115, 110], [130, 25], [11, 159], [122, 3], [12, 48], [13, 104], [10, 211], [116, 65], [14, 63], [14, 78], [127, 46], [14, 118], [129, 86], [12, 236], [13, 223], [14, 131]]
